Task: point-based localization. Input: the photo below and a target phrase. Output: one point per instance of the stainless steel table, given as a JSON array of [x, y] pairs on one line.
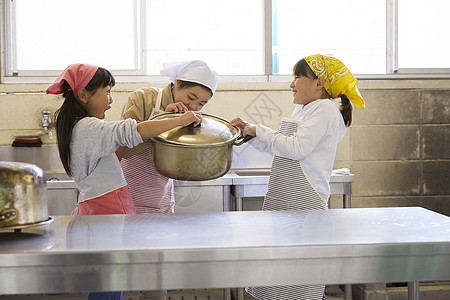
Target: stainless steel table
[[228, 249]]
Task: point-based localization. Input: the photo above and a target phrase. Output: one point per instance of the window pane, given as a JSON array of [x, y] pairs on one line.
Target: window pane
[[226, 34], [422, 28], [64, 32], [352, 30]]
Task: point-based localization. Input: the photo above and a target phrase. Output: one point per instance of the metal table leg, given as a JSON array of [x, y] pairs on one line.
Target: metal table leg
[[348, 292], [227, 294], [347, 203], [347, 200], [239, 204], [240, 293], [413, 290]]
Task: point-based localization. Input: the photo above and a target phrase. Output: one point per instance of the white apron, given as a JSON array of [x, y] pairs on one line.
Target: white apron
[[156, 110], [290, 189]]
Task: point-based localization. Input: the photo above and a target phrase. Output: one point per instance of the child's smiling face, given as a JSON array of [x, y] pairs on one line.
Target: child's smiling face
[[99, 101], [304, 89], [193, 97]]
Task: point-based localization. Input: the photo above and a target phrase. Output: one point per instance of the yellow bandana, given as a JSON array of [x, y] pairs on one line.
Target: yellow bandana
[[338, 79]]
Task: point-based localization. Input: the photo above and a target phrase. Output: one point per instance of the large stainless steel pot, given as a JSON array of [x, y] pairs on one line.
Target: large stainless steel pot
[[23, 195], [195, 153]]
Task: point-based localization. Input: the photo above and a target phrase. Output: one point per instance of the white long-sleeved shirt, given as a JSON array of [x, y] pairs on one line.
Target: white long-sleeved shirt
[[95, 167], [320, 129]]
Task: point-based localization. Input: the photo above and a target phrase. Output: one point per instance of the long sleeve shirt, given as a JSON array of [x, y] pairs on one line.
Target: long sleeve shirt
[[320, 129], [95, 167]]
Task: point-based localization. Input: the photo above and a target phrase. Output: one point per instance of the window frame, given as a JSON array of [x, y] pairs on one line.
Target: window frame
[[9, 73]]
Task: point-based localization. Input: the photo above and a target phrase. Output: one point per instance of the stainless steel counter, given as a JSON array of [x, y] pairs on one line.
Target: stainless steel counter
[[190, 196], [253, 183], [228, 249], [194, 196]]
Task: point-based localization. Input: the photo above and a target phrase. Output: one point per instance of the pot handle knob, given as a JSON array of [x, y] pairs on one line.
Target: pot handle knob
[[242, 139], [8, 215]]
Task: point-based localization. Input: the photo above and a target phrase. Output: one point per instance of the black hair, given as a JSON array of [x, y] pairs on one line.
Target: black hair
[[346, 109], [302, 68], [187, 84], [73, 110]]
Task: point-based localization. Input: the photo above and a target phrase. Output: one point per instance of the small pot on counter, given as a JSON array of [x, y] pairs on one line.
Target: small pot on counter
[[23, 195], [197, 153]]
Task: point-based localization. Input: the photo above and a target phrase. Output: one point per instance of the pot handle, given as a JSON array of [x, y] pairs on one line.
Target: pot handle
[[240, 140], [8, 215]]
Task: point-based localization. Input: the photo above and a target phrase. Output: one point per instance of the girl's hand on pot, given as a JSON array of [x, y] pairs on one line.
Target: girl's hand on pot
[[240, 123], [176, 107], [191, 117], [250, 129]]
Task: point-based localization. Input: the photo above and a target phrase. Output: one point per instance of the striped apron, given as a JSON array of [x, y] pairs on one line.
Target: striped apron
[[151, 192], [290, 189]]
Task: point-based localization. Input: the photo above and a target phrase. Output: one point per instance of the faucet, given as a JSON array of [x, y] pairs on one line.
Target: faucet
[[47, 121]]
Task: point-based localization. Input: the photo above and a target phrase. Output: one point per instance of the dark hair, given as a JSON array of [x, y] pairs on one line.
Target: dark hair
[[302, 68], [346, 109], [188, 84], [72, 110]]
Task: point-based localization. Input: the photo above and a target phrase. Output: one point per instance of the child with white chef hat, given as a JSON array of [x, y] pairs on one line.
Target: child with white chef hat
[[304, 148], [192, 85]]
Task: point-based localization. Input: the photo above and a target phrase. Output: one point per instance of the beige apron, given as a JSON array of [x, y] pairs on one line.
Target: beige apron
[[290, 189]]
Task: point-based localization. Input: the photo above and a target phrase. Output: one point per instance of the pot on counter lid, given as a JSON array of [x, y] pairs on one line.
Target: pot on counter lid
[[212, 131], [23, 195]]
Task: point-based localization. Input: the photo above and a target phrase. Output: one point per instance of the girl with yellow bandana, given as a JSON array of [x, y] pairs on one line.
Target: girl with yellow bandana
[[304, 149]]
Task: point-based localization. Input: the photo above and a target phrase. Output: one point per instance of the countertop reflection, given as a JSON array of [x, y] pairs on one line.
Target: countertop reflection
[[335, 227]]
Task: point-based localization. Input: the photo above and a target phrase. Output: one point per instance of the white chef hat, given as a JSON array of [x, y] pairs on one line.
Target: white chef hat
[[193, 71]]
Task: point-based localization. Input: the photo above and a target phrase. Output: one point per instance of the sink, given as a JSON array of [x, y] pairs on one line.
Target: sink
[[56, 176], [252, 172]]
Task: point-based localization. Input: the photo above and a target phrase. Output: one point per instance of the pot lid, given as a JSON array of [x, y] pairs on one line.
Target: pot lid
[[212, 131]]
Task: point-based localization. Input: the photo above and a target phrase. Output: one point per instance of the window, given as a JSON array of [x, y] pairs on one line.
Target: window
[[422, 35], [353, 30], [51, 34], [259, 38], [227, 34]]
